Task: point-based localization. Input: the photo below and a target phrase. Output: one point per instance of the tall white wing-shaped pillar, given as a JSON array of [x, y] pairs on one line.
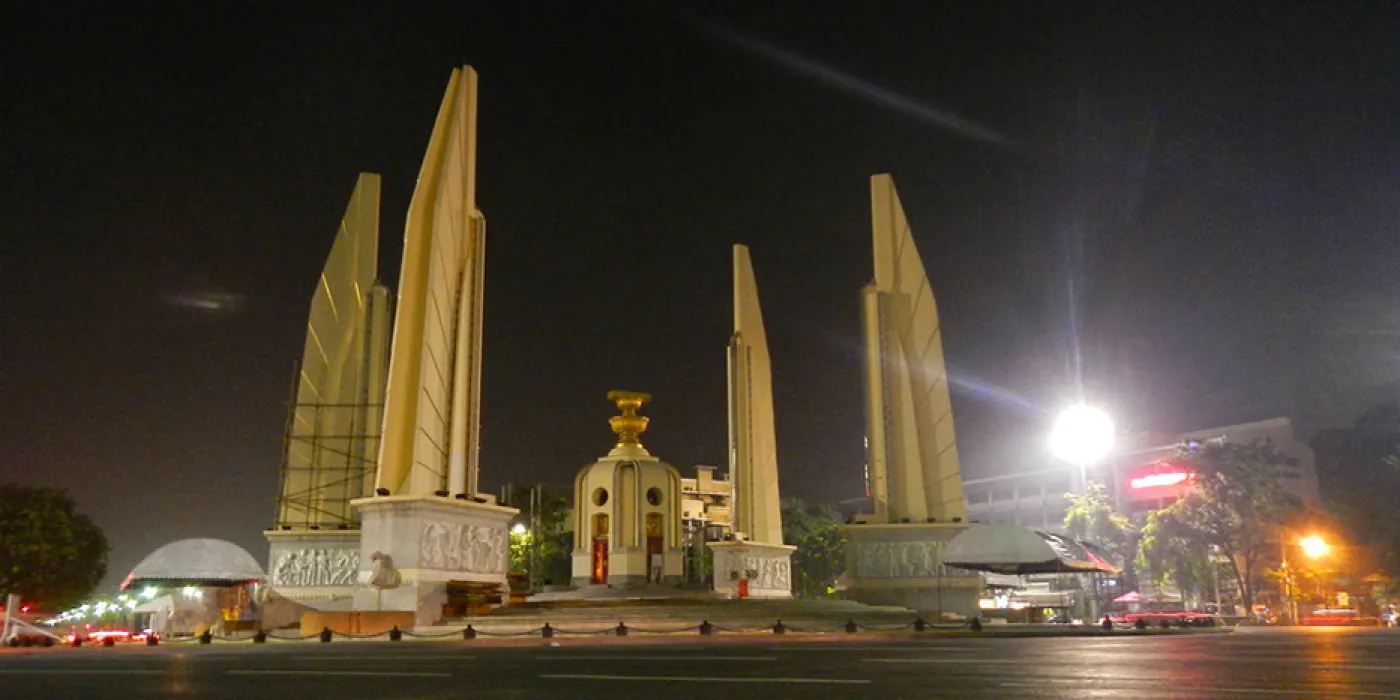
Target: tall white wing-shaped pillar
[[427, 529], [753, 448], [332, 438], [432, 412], [757, 564], [912, 450]]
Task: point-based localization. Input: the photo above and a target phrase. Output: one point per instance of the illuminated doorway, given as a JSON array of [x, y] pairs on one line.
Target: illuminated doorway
[[655, 545], [600, 548]]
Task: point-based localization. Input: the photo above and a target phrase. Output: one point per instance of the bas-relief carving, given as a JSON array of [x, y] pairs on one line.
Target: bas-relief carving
[[316, 567], [463, 548], [904, 560], [761, 573]]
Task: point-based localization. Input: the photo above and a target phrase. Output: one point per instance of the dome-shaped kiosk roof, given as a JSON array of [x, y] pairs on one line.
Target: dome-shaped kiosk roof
[[196, 562]]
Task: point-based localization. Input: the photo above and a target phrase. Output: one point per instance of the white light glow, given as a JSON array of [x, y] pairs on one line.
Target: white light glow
[[149, 592], [518, 529], [1081, 435]]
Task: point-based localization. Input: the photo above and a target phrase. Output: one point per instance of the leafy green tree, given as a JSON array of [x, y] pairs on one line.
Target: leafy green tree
[[1170, 552], [550, 539], [1091, 518], [1236, 505], [819, 557], [49, 552]]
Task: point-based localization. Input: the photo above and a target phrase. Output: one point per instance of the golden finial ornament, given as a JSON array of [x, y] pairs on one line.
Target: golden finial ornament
[[629, 426]]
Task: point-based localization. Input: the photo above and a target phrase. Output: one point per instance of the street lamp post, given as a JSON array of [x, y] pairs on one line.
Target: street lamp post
[[1082, 435], [1314, 547]]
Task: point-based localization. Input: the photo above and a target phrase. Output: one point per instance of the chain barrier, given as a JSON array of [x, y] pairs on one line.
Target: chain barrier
[[442, 635], [882, 628], [586, 633], [548, 631], [371, 635], [679, 630], [526, 633]]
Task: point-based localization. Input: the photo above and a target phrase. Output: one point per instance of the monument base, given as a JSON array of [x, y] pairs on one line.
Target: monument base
[[767, 569], [902, 564], [412, 548], [313, 569]]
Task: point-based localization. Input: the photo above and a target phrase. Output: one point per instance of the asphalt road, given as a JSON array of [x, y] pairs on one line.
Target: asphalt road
[[1305, 663]]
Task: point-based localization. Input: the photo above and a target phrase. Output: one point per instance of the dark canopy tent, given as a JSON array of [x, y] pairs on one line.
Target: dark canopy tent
[[1016, 550]]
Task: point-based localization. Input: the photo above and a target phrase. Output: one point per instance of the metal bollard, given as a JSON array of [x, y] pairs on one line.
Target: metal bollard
[[395, 635], [547, 632], [976, 625], [621, 629], [778, 628], [851, 627], [260, 637], [920, 625], [325, 635], [706, 628], [206, 638], [469, 632]]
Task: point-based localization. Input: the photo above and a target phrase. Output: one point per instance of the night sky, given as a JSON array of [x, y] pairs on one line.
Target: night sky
[[1206, 204]]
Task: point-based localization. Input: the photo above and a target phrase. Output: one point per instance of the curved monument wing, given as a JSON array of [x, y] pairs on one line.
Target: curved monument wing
[[330, 448], [753, 442], [430, 430], [914, 468]]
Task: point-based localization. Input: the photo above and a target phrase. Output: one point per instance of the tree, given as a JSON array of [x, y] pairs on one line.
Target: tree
[[1236, 505], [1170, 552], [1359, 474], [819, 557], [49, 552], [549, 539], [1091, 518]]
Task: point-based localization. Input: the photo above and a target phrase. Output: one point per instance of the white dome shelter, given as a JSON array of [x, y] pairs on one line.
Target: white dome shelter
[[196, 562]]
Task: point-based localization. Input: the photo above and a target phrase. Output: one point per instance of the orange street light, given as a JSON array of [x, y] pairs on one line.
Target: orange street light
[[1314, 546]]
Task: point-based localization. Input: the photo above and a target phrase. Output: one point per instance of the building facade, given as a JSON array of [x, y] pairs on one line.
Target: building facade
[[1140, 477]]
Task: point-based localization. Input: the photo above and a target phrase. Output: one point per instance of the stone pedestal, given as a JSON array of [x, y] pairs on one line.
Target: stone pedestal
[[766, 567], [412, 547], [903, 565], [314, 568]]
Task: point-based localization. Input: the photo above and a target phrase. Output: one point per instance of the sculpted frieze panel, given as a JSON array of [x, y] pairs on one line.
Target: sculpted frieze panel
[[316, 567], [903, 560], [461, 547]]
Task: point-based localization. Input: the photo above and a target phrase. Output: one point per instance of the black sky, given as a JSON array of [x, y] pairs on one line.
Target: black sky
[[1221, 187]]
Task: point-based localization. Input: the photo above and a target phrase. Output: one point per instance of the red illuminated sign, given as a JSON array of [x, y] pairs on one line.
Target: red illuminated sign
[[1164, 479]]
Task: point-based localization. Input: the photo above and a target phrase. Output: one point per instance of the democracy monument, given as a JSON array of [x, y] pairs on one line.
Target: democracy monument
[[381, 519]]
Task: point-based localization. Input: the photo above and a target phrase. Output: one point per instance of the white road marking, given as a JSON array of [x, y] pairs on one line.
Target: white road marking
[[80, 671], [871, 648], [943, 661], [577, 657], [378, 674], [1240, 691], [700, 679], [383, 657], [1353, 667]]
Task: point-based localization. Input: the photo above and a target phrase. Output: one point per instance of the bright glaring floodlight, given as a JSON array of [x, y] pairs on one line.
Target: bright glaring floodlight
[[148, 592], [518, 529], [1313, 546], [1081, 435]]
